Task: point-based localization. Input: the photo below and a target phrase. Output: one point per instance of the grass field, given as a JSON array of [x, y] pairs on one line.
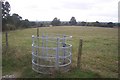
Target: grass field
[[99, 54]]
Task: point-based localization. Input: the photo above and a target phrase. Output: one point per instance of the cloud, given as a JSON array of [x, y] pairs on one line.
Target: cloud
[[77, 5], [92, 10]]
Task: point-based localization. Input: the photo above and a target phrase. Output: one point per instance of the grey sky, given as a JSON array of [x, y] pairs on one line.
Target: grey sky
[[82, 10]]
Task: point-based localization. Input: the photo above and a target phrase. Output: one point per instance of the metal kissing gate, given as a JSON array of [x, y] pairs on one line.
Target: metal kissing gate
[[51, 53]]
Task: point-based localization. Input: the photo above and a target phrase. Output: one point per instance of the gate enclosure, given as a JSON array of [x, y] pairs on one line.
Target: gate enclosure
[[51, 53]]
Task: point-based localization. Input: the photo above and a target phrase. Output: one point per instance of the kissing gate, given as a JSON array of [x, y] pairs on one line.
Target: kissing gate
[[51, 53]]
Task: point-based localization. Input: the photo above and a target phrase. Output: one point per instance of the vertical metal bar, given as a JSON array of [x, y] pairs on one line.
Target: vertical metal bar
[[32, 45], [46, 46], [37, 53], [57, 55], [42, 44], [37, 47], [33, 59], [37, 41], [71, 51], [64, 51]]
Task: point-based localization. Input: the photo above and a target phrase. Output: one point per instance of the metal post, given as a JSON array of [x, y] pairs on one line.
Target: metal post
[[57, 55], [33, 47], [46, 46], [42, 44], [79, 53], [37, 52], [37, 40], [64, 51], [32, 43]]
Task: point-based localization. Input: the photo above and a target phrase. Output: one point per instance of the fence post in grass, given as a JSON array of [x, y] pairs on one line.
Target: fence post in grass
[[6, 34], [79, 53], [37, 31]]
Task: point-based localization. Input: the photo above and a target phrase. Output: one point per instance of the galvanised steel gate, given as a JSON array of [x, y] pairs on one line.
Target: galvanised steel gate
[[51, 53]]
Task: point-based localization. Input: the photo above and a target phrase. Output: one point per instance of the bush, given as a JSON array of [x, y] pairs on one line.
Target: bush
[[11, 27]]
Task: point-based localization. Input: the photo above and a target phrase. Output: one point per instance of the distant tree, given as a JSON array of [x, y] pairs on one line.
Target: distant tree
[[96, 23], [110, 24], [5, 14], [16, 20], [73, 21], [83, 23], [64, 23], [32, 23], [89, 24], [25, 23], [56, 22]]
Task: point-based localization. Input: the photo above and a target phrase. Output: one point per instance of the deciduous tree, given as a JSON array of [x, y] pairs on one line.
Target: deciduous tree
[[56, 22], [73, 21]]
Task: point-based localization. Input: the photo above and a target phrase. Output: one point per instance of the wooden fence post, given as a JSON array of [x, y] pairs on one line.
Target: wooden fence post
[[79, 53], [37, 31], [6, 34]]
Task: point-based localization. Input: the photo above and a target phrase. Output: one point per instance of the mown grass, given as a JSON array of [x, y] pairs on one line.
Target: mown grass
[[99, 54]]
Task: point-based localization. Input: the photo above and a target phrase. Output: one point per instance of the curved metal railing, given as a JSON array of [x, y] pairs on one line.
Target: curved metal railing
[[51, 53]]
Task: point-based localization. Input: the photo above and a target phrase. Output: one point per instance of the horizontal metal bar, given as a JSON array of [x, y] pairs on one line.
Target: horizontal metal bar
[[41, 65], [66, 64], [44, 57], [53, 65], [68, 37], [62, 57], [54, 48]]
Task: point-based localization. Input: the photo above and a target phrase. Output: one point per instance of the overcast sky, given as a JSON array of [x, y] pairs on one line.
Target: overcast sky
[[82, 10]]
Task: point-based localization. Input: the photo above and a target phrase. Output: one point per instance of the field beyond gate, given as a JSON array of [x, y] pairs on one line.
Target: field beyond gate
[[99, 54]]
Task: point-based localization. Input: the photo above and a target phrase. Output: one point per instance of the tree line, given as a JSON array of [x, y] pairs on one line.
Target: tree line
[[73, 22]]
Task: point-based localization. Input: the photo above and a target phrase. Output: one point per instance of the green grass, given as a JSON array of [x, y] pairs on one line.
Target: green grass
[[99, 54]]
